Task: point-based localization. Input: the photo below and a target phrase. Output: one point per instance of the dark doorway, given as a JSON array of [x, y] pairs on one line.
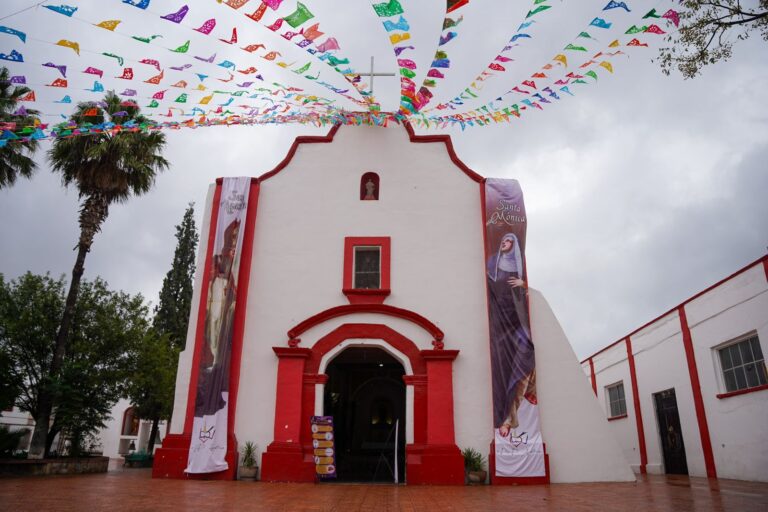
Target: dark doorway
[[672, 444], [365, 394]]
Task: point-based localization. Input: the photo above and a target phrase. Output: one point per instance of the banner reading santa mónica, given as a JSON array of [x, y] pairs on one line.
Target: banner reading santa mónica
[[208, 447], [519, 448]]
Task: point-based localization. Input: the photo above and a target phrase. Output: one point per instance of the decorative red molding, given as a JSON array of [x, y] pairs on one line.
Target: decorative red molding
[[201, 312], [419, 139], [445, 139], [742, 391], [638, 411], [621, 417], [763, 261], [414, 380], [366, 296], [698, 401], [315, 378], [351, 309], [304, 139], [592, 375]]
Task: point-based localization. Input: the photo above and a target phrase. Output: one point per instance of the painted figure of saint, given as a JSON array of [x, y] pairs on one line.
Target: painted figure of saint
[[512, 356]]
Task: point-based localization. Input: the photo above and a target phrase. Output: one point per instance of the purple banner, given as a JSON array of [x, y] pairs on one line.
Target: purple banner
[[519, 448], [208, 447]]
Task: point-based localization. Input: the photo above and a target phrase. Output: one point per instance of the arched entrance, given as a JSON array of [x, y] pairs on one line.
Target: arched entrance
[[365, 394], [432, 456]]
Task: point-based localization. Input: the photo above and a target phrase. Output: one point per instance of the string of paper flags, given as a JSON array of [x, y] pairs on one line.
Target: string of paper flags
[[201, 90]]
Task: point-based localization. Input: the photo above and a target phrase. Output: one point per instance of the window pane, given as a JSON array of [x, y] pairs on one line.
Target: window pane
[[367, 267], [761, 376], [612, 394], [756, 348], [751, 372], [735, 355], [741, 379], [746, 352], [730, 381], [367, 281], [725, 358], [622, 407]]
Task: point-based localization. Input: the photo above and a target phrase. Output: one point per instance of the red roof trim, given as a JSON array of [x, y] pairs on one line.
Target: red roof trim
[[324, 139], [763, 260]]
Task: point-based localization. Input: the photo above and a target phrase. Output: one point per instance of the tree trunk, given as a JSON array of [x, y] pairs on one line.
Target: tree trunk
[[92, 214], [153, 435]]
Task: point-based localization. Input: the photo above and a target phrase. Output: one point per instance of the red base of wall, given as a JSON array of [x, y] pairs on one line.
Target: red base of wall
[[285, 462], [519, 480], [434, 465], [171, 459]]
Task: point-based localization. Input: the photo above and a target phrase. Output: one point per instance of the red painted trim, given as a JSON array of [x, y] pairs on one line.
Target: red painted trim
[[614, 418], [370, 175], [367, 296], [324, 139], [445, 139], [698, 401], [763, 260], [241, 303], [305, 139], [592, 375], [638, 411], [201, 311], [350, 309], [742, 391]]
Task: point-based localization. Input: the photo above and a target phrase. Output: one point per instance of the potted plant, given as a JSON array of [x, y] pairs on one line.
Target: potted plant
[[248, 467], [474, 465]]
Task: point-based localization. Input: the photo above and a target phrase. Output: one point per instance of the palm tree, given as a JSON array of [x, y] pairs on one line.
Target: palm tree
[[15, 157], [106, 166]]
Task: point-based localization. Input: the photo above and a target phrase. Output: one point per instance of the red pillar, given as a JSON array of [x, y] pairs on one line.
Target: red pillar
[[638, 412], [592, 375], [440, 459], [284, 458], [698, 401]]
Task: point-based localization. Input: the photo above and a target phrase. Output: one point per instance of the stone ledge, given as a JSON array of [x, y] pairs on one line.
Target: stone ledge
[[63, 466]]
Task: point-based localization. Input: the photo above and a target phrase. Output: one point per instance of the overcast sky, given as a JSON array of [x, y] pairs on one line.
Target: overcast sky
[[641, 190]]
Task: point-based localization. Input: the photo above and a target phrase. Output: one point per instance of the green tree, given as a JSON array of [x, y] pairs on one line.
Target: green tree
[[172, 314], [15, 156], [106, 168], [153, 379], [106, 327], [708, 31]]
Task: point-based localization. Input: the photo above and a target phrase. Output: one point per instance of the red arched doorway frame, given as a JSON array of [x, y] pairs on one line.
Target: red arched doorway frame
[[432, 458]]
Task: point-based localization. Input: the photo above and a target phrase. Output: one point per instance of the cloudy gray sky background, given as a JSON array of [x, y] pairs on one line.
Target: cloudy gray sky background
[[641, 190]]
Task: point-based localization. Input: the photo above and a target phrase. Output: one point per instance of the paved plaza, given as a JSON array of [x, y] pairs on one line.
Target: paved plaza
[[134, 490]]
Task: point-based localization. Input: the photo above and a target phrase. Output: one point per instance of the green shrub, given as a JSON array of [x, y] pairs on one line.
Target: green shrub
[[473, 460]]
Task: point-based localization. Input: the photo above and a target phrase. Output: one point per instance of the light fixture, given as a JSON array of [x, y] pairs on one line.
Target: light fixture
[[381, 364]]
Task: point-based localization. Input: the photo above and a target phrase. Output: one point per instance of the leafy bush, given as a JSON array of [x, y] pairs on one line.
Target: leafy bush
[[249, 454], [473, 460], [9, 440]]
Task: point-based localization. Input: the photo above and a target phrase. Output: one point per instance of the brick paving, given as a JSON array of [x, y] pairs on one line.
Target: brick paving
[[134, 490]]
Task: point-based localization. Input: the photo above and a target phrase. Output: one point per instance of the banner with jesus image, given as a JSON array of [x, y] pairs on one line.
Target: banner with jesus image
[[518, 444], [208, 447]]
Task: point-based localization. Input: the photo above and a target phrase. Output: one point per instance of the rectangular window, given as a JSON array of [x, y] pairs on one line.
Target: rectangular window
[[743, 364], [616, 403], [367, 266]]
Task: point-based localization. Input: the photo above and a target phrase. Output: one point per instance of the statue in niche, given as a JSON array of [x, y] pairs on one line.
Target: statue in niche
[[370, 190]]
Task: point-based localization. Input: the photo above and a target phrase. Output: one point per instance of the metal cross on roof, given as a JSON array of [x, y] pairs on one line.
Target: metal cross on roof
[[372, 74]]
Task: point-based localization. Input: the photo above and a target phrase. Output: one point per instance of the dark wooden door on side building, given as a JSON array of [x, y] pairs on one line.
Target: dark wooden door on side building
[[672, 444]]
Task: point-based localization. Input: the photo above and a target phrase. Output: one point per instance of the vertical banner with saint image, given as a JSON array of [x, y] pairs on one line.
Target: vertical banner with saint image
[[519, 449], [208, 447]]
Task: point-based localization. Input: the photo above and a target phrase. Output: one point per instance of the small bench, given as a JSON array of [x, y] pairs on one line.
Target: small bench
[[140, 459]]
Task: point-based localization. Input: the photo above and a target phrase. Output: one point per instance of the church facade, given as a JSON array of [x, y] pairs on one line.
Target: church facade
[[362, 296]]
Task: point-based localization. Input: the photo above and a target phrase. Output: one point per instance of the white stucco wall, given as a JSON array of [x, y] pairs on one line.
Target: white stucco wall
[[734, 309], [738, 425], [431, 211], [611, 368]]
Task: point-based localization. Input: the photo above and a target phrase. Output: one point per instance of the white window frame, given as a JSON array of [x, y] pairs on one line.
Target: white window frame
[[354, 264], [719, 363], [608, 399]]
